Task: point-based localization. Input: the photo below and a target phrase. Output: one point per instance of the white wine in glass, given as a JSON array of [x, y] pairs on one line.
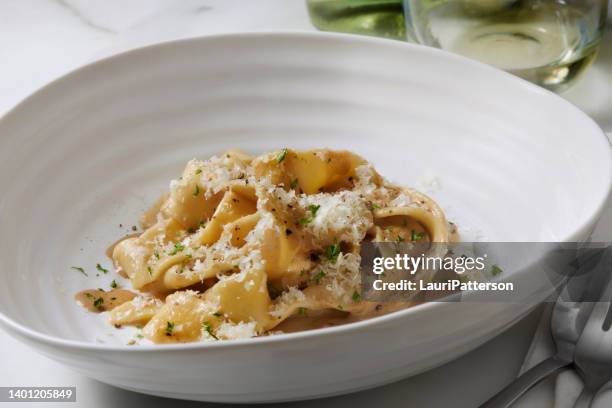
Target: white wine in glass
[[549, 42], [381, 18]]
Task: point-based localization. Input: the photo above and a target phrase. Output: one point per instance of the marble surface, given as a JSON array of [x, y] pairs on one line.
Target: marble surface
[[41, 40]]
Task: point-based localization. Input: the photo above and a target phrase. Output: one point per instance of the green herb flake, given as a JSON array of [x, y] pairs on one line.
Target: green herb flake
[[217, 314], [209, 330], [101, 269], [79, 269], [149, 270], [198, 171], [313, 213], [196, 191], [356, 296], [294, 183], [496, 270], [89, 296], [332, 252], [99, 303], [313, 209], [281, 156], [156, 253], [178, 247], [399, 239], [113, 284], [139, 336], [317, 278], [417, 236], [169, 328]]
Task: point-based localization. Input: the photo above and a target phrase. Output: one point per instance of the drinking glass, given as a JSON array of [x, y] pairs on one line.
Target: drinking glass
[[548, 42], [382, 18]]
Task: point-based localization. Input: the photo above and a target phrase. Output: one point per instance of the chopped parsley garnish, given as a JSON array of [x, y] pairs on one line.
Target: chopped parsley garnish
[[198, 171], [169, 328], [399, 238], [113, 284], [149, 270], [375, 206], [302, 311], [78, 268], [313, 213], [98, 303], [196, 191], [101, 269], [209, 330], [356, 296], [156, 253], [140, 336], [313, 209], [217, 314], [317, 278], [417, 236], [495, 270], [89, 296], [178, 247], [294, 183], [281, 156], [332, 252]]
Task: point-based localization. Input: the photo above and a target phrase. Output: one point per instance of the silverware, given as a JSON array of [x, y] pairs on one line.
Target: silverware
[[567, 323], [593, 354]]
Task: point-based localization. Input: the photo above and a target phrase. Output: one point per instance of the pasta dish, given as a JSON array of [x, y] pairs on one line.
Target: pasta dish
[[246, 246]]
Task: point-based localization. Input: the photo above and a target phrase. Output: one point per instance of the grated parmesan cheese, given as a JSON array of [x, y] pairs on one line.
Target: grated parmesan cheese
[[290, 298], [402, 200], [343, 216], [229, 330]]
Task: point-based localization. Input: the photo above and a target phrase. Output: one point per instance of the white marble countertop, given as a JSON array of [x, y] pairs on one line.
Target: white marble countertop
[[41, 40]]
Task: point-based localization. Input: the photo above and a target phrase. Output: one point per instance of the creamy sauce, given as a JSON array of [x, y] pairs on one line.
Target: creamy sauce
[[310, 320], [96, 300], [150, 216]]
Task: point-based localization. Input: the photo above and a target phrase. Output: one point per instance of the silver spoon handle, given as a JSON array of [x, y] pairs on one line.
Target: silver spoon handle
[[528, 379]]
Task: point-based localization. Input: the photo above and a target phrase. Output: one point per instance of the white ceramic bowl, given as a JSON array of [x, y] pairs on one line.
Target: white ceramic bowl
[[93, 149]]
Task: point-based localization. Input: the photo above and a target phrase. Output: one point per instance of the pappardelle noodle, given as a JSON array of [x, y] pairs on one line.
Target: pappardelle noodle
[[247, 246]]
